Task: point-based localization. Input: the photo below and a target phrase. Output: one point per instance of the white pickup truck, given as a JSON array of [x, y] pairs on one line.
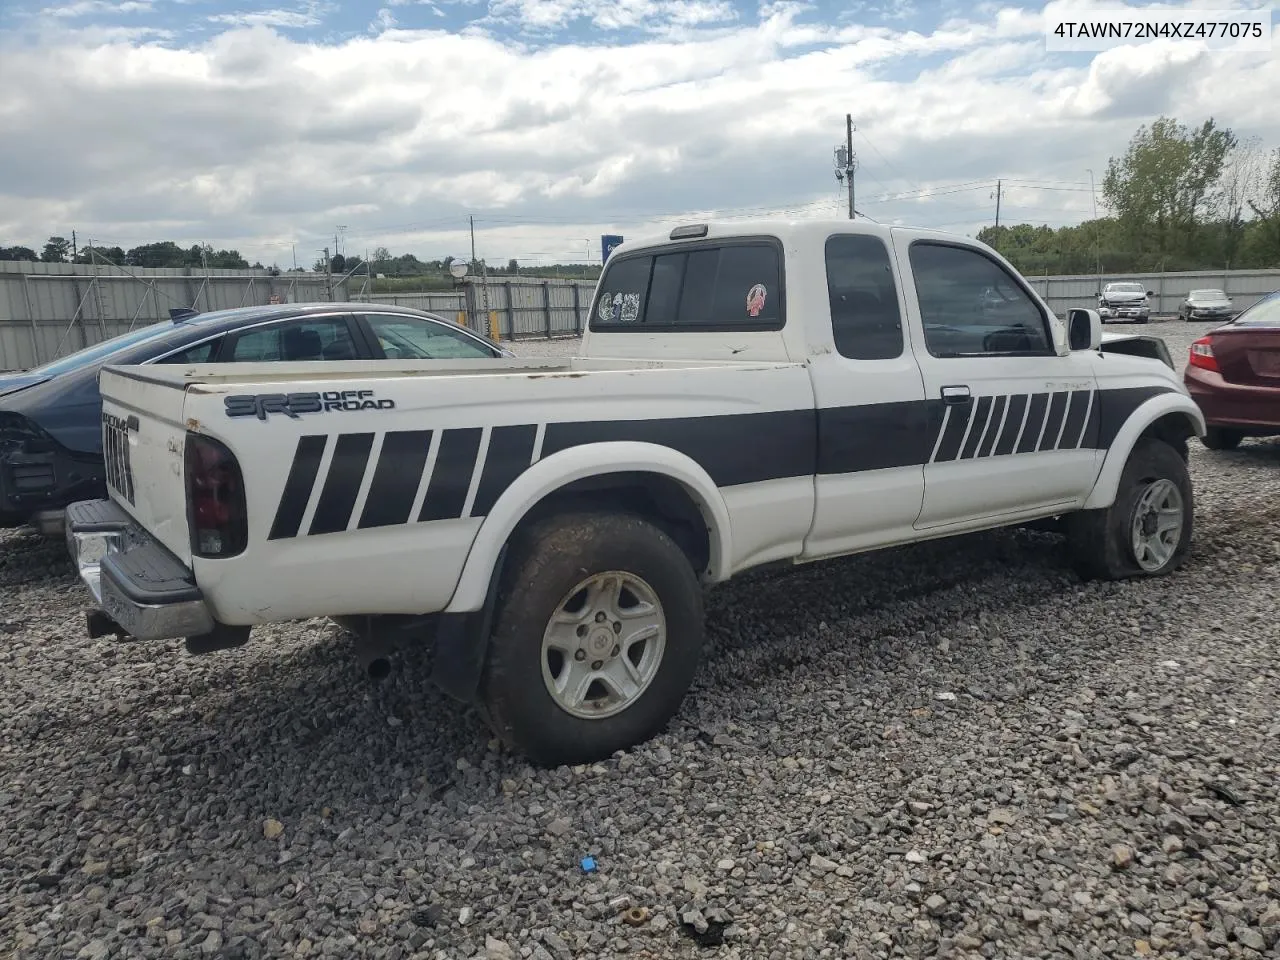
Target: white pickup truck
[[746, 393]]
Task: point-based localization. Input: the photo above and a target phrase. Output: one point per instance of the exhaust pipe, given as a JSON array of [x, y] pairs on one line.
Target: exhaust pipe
[[374, 656], [377, 666], [375, 639]]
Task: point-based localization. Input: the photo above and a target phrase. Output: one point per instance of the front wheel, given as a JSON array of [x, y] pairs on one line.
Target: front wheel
[[1219, 438], [1147, 530], [597, 638]]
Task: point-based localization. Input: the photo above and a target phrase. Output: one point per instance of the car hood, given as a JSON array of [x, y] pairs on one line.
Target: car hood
[[1209, 304], [1123, 297], [13, 382]]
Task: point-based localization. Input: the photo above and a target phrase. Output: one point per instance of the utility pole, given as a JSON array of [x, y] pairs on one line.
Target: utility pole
[[998, 186], [328, 275], [73, 246], [846, 160], [848, 142], [472, 221], [1097, 253]]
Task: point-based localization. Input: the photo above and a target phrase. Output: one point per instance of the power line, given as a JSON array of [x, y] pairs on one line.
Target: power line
[[885, 159]]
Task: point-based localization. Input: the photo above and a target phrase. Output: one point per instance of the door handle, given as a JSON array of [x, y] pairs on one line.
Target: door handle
[[955, 394]]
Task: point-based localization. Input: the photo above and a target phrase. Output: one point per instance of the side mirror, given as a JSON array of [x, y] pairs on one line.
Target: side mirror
[[1151, 293], [1084, 329]]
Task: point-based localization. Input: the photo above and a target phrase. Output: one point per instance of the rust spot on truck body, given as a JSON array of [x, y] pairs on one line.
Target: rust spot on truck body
[[193, 424]]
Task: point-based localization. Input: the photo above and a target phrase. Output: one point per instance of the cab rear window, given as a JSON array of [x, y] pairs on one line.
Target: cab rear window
[[724, 286]]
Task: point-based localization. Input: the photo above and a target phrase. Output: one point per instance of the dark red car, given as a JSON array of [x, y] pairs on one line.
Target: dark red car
[[1233, 374]]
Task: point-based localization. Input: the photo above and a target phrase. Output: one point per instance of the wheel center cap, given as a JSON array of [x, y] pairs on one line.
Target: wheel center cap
[[600, 641]]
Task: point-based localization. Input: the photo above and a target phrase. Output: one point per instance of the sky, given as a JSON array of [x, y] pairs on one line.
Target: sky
[[272, 126]]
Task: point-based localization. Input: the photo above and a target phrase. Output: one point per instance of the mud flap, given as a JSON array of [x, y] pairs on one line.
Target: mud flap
[[462, 641]]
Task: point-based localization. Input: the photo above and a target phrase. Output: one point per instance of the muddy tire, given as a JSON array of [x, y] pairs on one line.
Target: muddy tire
[[597, 637], [1220, 438], [1147, 530]]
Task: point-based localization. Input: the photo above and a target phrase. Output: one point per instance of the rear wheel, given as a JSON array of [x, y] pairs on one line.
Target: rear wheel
[[597, 638], [1220, 438], [1147, 530]]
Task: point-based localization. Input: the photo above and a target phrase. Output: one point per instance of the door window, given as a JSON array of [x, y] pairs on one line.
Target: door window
[[865, 320], [405, 337], [972, 306], [304, 338]]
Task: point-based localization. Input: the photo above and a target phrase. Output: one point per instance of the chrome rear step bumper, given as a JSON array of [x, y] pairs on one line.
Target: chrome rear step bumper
[[144, 590]]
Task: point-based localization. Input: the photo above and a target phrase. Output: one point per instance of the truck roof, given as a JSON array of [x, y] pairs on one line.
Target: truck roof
[[783, 228]]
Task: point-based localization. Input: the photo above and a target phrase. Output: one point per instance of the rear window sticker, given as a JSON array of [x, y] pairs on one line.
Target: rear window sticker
[[756, 297], [619, 308]]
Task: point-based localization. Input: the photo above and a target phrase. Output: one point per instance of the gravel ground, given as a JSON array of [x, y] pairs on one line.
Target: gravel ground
[[956, 749]]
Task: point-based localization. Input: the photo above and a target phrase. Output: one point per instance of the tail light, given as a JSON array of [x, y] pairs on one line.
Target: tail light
[[1202, 355], [216, 511]]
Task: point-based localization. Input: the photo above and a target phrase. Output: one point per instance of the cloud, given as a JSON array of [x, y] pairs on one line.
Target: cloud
[[306, 15], [85, 8], [249, 135], [655, 15]]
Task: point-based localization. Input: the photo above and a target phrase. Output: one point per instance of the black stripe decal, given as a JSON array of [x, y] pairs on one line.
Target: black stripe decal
[[297, 486], [949, 448], [875, 436], [1035, 417], [1117, 406], [342, 485], [981, 414], [1095, 418], [1075, 419], [1053, 422], [733, 448], [451, 478], [396, 478], [1012, 422], [993, 428], [510, 450]]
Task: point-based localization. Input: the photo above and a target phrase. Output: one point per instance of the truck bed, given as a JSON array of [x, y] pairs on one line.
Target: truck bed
[[367, 481]]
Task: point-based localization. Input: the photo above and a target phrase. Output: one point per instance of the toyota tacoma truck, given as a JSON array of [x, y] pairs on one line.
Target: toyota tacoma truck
[[744, 394]]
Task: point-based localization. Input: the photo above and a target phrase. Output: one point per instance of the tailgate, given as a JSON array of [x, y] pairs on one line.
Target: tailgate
[[143, 439]]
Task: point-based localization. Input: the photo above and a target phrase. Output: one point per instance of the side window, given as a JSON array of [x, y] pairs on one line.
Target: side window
[[415, 338], [865, 320], [200, 353], [972, 307], [306, 338], [733, 287]]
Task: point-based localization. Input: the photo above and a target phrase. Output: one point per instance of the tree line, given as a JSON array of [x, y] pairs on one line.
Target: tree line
[[164, 253], [1180, 198]]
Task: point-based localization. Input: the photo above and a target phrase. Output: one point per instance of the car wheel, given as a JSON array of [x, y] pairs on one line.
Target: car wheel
[[598, 635], [1147, 530], [1219, 438]]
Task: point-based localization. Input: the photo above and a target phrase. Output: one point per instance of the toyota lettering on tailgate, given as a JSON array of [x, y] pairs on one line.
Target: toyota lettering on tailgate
[[115, 453]]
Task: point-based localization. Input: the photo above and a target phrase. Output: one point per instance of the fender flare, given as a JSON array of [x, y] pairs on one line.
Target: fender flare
[[546, 476], [1147, 413]]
